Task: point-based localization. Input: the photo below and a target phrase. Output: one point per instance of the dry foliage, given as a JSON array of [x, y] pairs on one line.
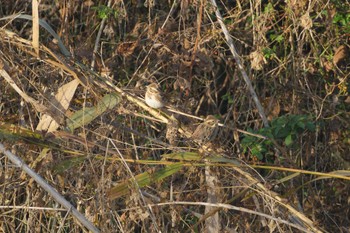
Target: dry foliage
[[131, 168]]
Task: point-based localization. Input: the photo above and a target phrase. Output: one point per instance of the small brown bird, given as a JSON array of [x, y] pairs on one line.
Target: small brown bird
[[206, 131], [153, 96]]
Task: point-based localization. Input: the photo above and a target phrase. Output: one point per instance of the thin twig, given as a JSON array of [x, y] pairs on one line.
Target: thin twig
[[98, 37]]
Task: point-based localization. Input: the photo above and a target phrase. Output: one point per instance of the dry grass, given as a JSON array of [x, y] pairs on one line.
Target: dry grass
[[112, 157]]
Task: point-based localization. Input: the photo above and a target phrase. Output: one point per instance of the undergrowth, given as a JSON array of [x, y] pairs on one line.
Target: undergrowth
[[129, 168]]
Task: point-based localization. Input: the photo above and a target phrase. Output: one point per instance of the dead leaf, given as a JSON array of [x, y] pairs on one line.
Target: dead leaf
[[181, 84], [204, 61], [328, 66], [127, 48], [88, 3], [257, 60], [340, 54], [60, 104], [187, 44], [347, 100], [172, 131], [272, 107], [306, 21]]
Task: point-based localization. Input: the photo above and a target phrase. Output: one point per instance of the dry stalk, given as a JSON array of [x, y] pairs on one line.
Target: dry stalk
[[48, 188], [239, 64]]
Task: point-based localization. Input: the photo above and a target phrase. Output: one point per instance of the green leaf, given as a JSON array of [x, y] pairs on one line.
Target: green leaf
[[259, 156], [310, 126], [279, 38], [257, 151], [288, 140], [142, 180], [268, 9], [183, 156], [69, 163], [268, 53], [87, 115], [301, 124], [102, 11], [228, 97], [283, 132]]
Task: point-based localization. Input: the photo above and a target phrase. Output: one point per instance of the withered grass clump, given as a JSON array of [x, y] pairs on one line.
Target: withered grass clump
[[80, 121]]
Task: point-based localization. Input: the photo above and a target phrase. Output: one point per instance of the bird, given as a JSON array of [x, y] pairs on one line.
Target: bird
[[153, 96], [206, 131]]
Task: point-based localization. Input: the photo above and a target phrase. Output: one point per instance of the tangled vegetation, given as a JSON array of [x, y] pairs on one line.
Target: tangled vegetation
[[72, 108]]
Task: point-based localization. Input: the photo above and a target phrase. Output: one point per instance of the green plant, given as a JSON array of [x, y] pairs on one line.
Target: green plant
[[269, 9], [343, 20], [276, 37], [269, 53], [105, 11], [285, 129], [228, 97]]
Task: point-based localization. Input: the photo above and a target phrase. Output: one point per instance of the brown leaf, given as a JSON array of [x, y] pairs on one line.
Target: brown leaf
[[257, 60], [328, 66], [60, 103], [181, 84], [272, 107], [306, 21], [172, 131], [127, 48], [340, 54]]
